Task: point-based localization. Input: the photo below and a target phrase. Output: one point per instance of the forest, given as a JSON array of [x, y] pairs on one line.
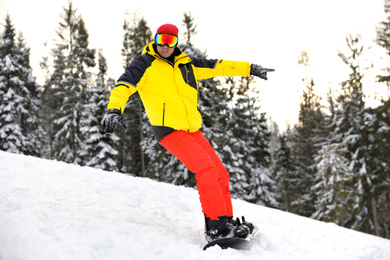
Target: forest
[[333, 165]]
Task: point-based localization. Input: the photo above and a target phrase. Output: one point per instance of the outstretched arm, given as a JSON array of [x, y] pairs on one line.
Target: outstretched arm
[[207, 68]]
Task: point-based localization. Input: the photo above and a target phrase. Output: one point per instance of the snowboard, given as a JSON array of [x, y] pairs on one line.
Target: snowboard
[[233, 242]]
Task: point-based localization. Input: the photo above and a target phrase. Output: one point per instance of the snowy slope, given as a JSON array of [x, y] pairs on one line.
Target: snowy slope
[[52, 210]]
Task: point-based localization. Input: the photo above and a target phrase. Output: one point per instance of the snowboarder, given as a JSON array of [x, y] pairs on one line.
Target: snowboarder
[[166, 80]]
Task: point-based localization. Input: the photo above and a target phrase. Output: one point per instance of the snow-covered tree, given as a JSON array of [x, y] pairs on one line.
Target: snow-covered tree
[[189, 24], [67, 85], [20, 131], [353, 128], [306, 139], [381, 166], [334, 180], [286, 173], [245, 145], [213, 106], [383, 39], [131, 155], [100, 149]]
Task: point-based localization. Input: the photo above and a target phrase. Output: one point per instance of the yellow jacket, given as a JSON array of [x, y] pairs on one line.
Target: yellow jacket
[[169, 90]]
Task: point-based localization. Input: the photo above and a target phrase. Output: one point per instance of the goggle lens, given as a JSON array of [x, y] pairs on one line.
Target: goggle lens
[[169, 39]]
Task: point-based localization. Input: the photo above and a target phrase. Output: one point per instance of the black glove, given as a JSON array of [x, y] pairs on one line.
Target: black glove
[[259, 71], [110, 121]]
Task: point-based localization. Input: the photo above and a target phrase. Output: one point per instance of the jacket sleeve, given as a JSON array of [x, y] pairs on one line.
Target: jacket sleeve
[[127, 84], [205, 68], [119, 96]]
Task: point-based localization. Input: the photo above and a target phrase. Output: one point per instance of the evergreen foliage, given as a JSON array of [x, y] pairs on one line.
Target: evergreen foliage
[[286, 175], [100, 149], [245, 145], [20, 130], [383, 39], [306, 139], [381, 169], [132, 159], [67, 86], [351, 130], [333, 188]]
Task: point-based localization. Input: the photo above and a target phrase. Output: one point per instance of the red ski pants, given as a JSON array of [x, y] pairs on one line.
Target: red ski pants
[[196, 153]]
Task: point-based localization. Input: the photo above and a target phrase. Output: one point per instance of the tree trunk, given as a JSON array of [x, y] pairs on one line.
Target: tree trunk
[[141, 134], [374, 216]]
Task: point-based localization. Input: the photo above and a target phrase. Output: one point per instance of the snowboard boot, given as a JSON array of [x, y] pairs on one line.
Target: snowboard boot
[[221, 228], [245, 225]]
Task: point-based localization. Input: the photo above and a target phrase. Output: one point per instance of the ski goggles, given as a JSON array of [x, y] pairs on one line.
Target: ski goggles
[[169, 39]]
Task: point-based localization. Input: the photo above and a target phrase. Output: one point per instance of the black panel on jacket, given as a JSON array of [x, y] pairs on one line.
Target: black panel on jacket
[[188, 75], [203, 63], [136, 69]]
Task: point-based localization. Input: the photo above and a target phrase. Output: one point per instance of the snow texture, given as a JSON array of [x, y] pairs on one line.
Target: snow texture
[[53, 210]]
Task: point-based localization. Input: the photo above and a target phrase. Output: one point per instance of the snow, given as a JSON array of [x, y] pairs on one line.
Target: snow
[[53, 210]]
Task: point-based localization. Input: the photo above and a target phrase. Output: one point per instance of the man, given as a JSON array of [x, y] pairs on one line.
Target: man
[[167, 82]]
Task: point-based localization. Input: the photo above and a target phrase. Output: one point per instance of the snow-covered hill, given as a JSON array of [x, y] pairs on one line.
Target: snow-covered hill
[[52, 210]]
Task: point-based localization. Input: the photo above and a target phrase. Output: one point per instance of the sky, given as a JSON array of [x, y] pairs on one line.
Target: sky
[[269, 33]]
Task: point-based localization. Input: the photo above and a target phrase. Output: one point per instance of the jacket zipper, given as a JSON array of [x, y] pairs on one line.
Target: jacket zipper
[[188, 82], [163, 117]]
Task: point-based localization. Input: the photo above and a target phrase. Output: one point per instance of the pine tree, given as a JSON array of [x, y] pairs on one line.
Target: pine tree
[[381, 167], [307, 137], [189, 23], [333, 191], [383, 39], [286, 175], [19, 96], [30, 120], [47, 115], [353, 130], [246, 146], [382, 130], [131, 158], [68, 84], [100, 148]]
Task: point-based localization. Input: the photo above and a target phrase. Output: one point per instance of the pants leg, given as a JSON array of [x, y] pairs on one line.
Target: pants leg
[[223, 174], [196, 158]]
